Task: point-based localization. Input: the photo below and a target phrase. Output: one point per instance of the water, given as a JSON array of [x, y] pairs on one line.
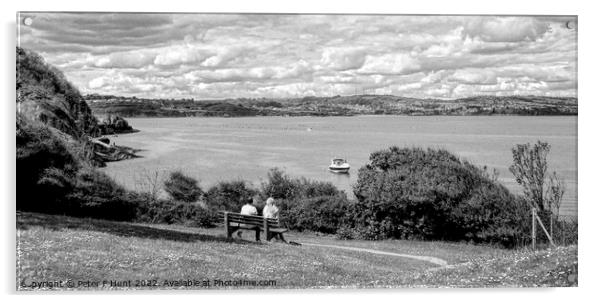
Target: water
[[215, 149]]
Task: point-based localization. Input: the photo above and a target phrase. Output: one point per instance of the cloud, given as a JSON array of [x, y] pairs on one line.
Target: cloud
[[473, 76], [506, 29], [130, 59], [226, 55], [390, 64], [181, 54], [238, 55], [343, 58]]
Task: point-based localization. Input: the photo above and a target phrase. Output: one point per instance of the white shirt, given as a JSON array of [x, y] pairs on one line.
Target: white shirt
[[270, 211], [249, 209]]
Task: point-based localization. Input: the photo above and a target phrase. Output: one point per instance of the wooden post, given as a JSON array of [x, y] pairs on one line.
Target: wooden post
[[544, 230], [266, 229], [533, 228], [227, 224]]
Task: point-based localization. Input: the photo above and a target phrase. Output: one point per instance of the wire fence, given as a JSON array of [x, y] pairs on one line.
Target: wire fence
[[564, 230]]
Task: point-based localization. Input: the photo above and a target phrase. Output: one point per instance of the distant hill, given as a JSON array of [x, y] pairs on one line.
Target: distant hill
[[333, 106], [45, 95]]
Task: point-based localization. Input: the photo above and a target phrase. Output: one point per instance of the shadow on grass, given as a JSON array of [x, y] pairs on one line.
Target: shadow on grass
[[58, 222]]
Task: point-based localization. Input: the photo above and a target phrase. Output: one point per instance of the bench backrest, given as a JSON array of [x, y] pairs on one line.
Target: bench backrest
[[252, 220]]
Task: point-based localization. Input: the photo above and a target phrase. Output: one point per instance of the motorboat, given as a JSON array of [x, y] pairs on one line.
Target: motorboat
[[339, 165]]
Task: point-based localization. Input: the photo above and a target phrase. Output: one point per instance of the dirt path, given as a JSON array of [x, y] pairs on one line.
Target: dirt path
[[434, 260]]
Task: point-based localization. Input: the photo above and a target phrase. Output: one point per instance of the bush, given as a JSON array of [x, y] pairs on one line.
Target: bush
[[281, 186], [96, 195], [45, 167], [430, 194], [182, 188], [306, 204], [322, 214], [229, 196], [175, 212], [51, 179]]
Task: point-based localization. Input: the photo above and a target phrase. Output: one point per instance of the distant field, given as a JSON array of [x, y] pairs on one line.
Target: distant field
[[96, 252]]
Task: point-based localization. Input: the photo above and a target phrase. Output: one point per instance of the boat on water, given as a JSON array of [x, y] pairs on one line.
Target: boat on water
[[339, 166]]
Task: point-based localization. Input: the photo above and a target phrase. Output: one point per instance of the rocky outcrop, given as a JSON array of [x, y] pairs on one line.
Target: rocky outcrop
[[114, 124], [45, 95]]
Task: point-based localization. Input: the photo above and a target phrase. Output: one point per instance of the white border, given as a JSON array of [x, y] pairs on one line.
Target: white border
[[589, 133]]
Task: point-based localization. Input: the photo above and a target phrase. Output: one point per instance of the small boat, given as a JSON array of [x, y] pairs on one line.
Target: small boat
[[339, 165]]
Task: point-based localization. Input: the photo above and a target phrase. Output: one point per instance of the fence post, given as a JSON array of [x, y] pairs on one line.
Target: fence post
[[544, 230], [533, 228]]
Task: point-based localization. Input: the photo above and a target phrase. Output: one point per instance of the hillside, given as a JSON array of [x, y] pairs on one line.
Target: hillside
[[43, 94], [97, 252], [55, 156], [332, 106]]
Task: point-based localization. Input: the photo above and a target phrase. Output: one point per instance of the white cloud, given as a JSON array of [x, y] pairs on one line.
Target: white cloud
[[473, 76], [188, 55], [130, 59], [390, 64], [342, 58], [506, 29], [181, 54]]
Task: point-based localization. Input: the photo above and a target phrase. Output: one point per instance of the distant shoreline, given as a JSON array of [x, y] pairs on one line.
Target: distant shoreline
[[334, 116], [334, 106]]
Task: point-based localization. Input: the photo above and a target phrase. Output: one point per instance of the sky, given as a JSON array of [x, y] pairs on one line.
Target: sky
[[206, 56]]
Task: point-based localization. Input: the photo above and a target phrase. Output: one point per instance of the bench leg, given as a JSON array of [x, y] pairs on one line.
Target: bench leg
[[227, 225], [230, 230], [257, 233], [266, 229]]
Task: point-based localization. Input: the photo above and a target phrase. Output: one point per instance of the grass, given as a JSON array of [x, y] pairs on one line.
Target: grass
[[58, 248]]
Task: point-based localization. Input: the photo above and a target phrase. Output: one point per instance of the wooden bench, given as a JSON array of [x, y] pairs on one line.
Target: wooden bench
[[235, 221]]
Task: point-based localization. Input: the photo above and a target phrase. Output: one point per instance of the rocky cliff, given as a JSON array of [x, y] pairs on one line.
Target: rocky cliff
[[45, 95]]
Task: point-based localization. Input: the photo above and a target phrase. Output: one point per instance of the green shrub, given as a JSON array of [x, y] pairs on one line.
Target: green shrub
[[281, 186], [229, 195], [306, 204], [51, 179], [45, 167], [182, 188], [176, 212], [96, 195], [322, 214], [430, 194]]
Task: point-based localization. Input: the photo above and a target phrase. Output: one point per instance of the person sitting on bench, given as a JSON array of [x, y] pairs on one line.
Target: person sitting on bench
[[271, 211], [250, 210]]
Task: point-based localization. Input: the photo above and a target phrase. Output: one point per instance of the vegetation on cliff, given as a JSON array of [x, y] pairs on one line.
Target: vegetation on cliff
[[55, 154], [45, 95]]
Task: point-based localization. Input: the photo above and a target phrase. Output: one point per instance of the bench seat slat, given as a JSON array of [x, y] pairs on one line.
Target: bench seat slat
[[272, 227], [278, 230], [238, 218], [246, 219], [235, 221]]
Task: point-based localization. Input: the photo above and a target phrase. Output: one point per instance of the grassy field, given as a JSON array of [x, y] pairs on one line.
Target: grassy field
[[58, 252]]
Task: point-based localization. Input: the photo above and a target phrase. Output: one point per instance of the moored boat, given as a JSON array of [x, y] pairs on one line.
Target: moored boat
[[339, 165]]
